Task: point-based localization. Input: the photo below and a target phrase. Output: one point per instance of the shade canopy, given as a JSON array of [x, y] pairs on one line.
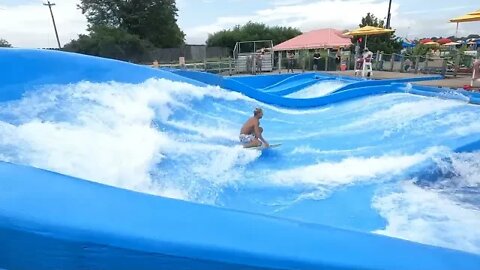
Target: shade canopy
[[444, 40], [469, 17], [451, 44], [369, 30], [431, 43], [426, 40], [316, 39]]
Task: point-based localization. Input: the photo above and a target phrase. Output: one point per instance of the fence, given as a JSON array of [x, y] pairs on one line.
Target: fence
[[223, 66], [447, 64], [191, 53]]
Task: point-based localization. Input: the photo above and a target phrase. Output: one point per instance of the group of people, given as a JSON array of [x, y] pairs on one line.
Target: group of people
[[316, 60]]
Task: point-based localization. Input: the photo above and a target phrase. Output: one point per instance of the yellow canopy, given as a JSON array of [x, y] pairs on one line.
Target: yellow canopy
[[368, 30], [469, 17]]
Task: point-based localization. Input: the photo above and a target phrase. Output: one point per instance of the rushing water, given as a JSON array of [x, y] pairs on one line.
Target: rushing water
[[383, 163]]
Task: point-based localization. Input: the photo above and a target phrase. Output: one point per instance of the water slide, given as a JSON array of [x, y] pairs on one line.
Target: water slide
[[110, 165]]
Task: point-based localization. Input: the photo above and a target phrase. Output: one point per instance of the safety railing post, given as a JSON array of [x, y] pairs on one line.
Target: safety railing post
[[457, 63], [417, 63], [392, 61]]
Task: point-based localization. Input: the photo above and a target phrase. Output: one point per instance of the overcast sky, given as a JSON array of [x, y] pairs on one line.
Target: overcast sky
[[27, 23]]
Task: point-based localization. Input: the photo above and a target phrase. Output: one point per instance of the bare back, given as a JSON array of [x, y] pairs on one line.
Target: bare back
[[250, 126]]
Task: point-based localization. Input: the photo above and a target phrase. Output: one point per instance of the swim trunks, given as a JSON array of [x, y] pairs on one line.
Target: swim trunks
[[246, 138]]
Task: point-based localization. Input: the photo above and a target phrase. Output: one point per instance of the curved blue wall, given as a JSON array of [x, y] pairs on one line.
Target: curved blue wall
[[267, 89], [23, 70], [52, 221]]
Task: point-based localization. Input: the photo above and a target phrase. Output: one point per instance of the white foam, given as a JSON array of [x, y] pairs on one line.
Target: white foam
[[348, 170], [429, 217], [462, 124], [305, 149], [399, 115], [465, 168], [103, 132], [208, 131], [318, 90]]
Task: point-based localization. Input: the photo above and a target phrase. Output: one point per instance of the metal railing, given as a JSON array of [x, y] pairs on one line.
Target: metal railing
[[452, 64], [219, 66]]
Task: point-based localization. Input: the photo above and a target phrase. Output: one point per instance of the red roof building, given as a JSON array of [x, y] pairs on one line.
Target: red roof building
[[316, 39]]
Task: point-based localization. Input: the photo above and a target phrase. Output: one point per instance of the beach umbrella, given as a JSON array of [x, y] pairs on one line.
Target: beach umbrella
[[368, 31], [469, 17], [432, 43], [451, 44], [426, 40], [444, 40]]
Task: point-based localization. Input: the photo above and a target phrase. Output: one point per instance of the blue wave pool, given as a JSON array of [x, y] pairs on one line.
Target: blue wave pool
[[110, 165]]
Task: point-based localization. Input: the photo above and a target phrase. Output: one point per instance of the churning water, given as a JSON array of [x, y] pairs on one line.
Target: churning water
[[382, 164]]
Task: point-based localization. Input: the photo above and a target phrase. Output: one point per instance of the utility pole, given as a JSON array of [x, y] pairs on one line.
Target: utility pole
[[388, 14], [53, 20]]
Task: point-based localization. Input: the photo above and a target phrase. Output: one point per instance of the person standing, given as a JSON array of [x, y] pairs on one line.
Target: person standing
[[338, 59], [316, 60], [260, 61], [291, 61]]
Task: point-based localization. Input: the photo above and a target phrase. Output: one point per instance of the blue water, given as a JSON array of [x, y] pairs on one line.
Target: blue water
[[359, 165]]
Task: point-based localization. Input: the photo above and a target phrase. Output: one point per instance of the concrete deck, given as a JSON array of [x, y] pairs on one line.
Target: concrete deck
[[449, 81]]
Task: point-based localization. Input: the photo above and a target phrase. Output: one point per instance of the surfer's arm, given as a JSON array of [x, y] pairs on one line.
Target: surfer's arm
[[258, 134]]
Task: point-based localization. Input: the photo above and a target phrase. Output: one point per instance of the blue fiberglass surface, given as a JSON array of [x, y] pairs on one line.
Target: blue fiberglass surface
[[347, 173]]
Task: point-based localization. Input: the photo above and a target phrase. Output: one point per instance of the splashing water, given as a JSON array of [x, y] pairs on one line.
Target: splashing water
[[317, 90], [177, 140]]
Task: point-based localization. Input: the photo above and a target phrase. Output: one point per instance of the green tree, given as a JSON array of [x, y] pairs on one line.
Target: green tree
[[250, 32], [387, 43], [111, 42], [419, 49], [153, 20], [4, 43]]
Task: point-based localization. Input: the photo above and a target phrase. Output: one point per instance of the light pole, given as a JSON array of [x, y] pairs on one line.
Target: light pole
[[388, 14], [53, 20]]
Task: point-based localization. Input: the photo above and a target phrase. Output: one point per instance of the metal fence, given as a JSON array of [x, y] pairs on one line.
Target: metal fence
[[447, 64], [223, 66], [191, 53]]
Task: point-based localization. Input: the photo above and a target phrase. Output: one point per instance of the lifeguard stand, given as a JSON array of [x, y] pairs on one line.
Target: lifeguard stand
[[365, 67], [245, 56]]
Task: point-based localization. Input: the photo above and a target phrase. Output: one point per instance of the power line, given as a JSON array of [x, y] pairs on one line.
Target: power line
[[53, 20]]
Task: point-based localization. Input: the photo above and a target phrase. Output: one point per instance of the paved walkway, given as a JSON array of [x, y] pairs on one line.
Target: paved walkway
[[449, 81]]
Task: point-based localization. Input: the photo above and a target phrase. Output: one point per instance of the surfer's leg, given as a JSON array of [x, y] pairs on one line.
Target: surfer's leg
[[254, 143]]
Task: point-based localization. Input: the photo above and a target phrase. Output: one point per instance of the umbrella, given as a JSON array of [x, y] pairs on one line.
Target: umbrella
[[425, 40], [469, 17], [451, 44], [444, 40], [431, 43], [368, 30]]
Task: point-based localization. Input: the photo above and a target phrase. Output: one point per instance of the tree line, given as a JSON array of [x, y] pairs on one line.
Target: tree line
[[129, 30]]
